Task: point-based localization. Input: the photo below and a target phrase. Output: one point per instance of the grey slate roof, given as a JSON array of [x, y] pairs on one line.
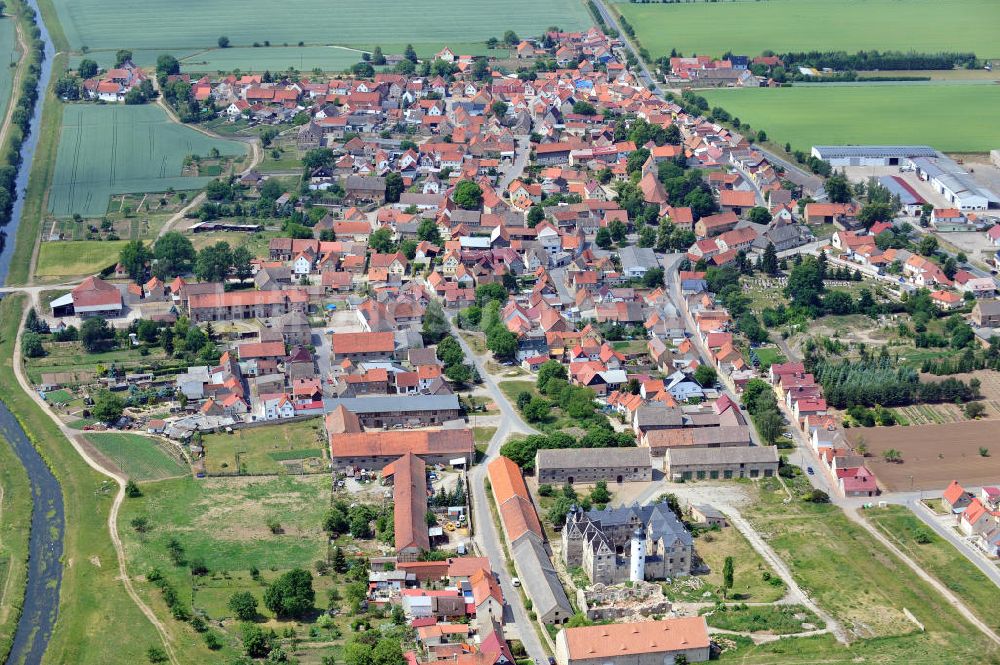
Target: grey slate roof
[[539, 577], [651, 415], [727, 455], [389, 403], [575, 458]]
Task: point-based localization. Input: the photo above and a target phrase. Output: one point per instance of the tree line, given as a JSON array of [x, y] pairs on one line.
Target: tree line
[[879, 60]]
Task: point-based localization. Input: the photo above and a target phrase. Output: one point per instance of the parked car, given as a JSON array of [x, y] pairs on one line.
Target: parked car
[[809, 470]]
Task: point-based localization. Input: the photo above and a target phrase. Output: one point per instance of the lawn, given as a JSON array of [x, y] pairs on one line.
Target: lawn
[[514, 388], [482, 435], [768, 356], [939, 558], [750, 28], [870, 113], [70, 258], [861, 584], [113, 149], [773, 619], [139, 457], [223, 523], [260, 450], [199, 23], [749, 569]]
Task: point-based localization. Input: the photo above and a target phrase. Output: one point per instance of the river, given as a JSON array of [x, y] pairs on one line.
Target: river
[[45, 546]]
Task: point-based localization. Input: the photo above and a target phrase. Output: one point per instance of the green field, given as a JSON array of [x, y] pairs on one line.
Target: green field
[[870, 113], [939, 558], [275, 58], [110, 149], [148, 24], [76, 257], [848, 574], [749, 28], [260, 450], [15, 527], [9, 54], [139, 457]]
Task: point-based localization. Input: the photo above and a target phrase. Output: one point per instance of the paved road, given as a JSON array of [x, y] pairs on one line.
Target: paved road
[[487, 537], [673, 288], [517, 168]]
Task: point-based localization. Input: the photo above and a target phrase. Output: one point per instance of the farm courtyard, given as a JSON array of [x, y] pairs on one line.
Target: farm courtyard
[[106, 150]]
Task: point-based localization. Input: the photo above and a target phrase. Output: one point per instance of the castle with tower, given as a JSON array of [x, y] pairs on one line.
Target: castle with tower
[[630, 543]]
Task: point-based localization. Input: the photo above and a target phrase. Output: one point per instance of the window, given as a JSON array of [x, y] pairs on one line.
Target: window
[[768, 473], [727, 474], [701, 475], [713, 475], [686, 475], [754, 473]]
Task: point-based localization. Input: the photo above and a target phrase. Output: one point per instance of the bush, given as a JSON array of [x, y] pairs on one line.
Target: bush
[[156, 655]]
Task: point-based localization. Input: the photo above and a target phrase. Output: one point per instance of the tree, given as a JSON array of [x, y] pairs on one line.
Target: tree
[[134, 256], [805, 283], [242, 268], [393, 187], [460, 373], [770, 425], [468, 195], [536, 410], [108, 407], [493, 291], [584, 108], [388, 652], [243, 605], [87, 68], [535, 215], [132, 490], [502, 342], [705, 376], [550, 369], [600, 493], [223, 42], [358, 653], [167, 65], [653, 278], [892, 455], [759, 215], [381, 240], [174, 254], [727, 573], [31, 345], [928, 245], [428, 230], [410, 54], [122, 56], [378, 58], [769, 263], [974, 410], [617, 229], [838, 188], [291, 595], [94, 334], [510, 38], [435, 325], [603, 238], [213, 262], [255, 643]]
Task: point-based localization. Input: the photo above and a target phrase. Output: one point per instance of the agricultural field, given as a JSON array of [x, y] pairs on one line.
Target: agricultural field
[[67, 258], [198, 24], [749, 28], [297, 447], [939, 558], [869, 113], [932, 455], [140, 458], [274, 58], [106, 150]]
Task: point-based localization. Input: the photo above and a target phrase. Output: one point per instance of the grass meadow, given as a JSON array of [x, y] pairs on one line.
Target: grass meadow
[[862, 585], [9, 54], [749, 28], [149, 24], [76, 257], [261, 450], [870, 113], [139, 457], [105, 150], [15, 526]]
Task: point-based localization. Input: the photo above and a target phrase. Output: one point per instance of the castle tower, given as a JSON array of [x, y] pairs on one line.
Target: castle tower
[[637, 560]]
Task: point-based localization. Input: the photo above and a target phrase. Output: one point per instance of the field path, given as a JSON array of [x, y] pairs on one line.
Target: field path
[[73, 438], [16, 84]]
